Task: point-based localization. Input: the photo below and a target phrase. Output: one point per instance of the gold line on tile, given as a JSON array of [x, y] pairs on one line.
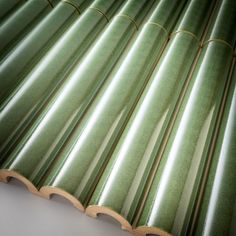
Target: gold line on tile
[[158, 25], [72, 4], [219, 41], [186, 32], [129, 18], [102, 13]]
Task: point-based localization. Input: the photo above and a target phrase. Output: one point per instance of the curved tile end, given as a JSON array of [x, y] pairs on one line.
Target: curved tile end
[[48, 191], [6, 175], [94, 210], [145, 230]]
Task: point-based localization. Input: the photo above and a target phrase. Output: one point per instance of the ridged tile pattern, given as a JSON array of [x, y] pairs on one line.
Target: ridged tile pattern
[[125, 108]]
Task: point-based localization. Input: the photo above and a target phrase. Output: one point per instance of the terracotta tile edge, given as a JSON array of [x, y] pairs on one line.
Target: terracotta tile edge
[[48, 191], [95, 210]]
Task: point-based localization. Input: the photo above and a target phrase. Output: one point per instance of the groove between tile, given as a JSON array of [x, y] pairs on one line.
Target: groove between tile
[[50, 4]]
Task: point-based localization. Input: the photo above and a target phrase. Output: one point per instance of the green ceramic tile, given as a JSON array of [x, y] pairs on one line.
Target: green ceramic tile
[[174, 188], [87, 151], [223, 22], [123, 181], [195, 17], [47, 75], [125, 107], [8, 7], [17, 26], [217, 212], [29, 51], [66, 107]]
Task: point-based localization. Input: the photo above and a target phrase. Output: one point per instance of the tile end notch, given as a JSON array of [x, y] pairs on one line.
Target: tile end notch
[[49, 191], [6, 175], [95, 210], [147, 230]]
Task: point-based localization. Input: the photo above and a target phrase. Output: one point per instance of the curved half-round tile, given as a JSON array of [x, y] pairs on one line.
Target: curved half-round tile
[[88, 148], [69, 103], [150, 231], [6, 175], [49, 73], [125, 177], [49, 191], [35, 45], [216, 211], [20, 23], [171, 198], [8, 7], [94, 211]]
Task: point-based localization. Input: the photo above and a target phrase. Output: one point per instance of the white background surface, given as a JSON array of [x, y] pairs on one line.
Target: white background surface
[[24, 214]]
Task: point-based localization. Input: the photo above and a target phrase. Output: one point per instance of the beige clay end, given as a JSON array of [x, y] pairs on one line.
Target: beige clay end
[[48, 191], [145, 230], [6, 175], [94, 210]]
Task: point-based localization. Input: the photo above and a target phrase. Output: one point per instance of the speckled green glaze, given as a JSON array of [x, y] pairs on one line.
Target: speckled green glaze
[[44, 79], [217, 214], [59, 117], [88, 149], [223, 22], [124, 179], [36, 44], [17, 26], [9, 7], [195, 17], [103, 107], [170, 200]]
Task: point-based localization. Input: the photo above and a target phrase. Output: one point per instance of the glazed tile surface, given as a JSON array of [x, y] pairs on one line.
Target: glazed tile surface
[[124, 107]]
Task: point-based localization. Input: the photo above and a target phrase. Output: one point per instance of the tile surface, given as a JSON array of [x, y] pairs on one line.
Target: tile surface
[[124, 107]]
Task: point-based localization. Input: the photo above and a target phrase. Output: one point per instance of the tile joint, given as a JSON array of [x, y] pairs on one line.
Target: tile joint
[[50, 4], [186, 32], [101, 12], [221, 41], [159, 26], [70, 2], [129, 18]]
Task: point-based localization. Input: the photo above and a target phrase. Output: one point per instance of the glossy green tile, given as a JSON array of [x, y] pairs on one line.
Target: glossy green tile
[[223, 23], [7, 7], [89, 148], [217, 212], [30, 50], [195, 17], [47, 75], [174, 188], [125, 107], [68, 104], [20, 23], [124, 179]]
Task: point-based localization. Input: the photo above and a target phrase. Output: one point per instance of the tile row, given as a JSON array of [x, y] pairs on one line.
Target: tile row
[[125, 109]]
